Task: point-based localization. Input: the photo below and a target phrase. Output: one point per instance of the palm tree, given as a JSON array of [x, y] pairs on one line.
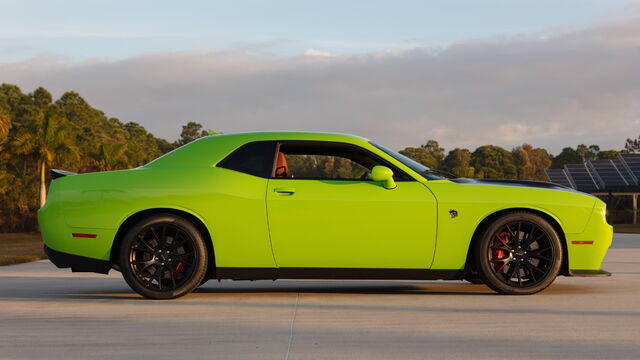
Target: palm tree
[[5, 125], [110, 157], [43, 137]]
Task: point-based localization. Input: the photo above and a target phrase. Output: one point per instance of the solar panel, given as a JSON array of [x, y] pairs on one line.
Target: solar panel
[[632, 163], [558, 176], [606, 173], [581, 177], [626, 175]]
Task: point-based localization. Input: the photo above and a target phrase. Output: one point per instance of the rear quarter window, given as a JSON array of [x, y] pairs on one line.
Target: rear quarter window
[[253, 158]]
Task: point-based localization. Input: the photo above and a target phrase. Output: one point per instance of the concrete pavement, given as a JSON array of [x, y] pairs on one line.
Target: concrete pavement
[[48, 313]]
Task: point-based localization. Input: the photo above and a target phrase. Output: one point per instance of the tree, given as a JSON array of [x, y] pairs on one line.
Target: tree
[[632, 145], [608, 154], [493, 162], [429, 154], [588, 152], [5, 125], [44, 138], [568, 156], [37, 133], [190, 132], [110, 156], [458, 162], [531, 163]]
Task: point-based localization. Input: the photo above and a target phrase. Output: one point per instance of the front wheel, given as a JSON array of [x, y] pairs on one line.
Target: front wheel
[[163, 257], [519, 254]]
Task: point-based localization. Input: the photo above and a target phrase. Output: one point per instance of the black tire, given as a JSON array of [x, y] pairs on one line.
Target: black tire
[[163, 256], [518, 254]]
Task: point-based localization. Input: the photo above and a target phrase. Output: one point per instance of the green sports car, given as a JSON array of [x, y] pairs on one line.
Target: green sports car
[[298, 205]]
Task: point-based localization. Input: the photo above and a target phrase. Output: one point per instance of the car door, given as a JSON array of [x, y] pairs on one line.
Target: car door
[[323, 212]]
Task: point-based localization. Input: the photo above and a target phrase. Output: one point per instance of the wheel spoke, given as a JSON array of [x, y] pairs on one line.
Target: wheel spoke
[[164, 236], [511, 233], [502, 267], [513, 271], [159, 272], [530, 271], [143, 269], [518, 275], [529, 236]]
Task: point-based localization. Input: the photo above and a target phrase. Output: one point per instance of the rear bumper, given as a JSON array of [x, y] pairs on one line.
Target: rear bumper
[[77, 263]]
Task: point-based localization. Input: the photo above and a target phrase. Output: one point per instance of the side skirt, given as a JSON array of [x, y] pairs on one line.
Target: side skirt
[[336, 273]]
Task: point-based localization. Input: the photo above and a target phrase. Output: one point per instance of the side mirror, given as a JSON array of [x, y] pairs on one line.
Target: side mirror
[[383, 173]]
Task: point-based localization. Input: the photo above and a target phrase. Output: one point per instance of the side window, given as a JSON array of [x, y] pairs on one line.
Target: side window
[[324, 167], [326, 160], [253, 158]]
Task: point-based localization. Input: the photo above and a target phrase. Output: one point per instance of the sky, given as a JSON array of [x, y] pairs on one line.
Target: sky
[[465, 73]]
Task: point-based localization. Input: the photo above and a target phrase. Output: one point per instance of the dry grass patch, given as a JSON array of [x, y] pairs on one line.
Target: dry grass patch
[[17, 248]]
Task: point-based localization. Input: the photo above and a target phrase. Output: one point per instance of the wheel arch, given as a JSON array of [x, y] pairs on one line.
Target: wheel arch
[[552, 220], [135, 217]]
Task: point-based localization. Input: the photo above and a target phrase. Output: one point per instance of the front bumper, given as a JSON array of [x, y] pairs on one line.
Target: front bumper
[[587, 250], [77, 263]]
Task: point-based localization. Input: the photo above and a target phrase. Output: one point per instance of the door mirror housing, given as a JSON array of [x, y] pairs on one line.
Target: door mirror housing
[[384, 174]]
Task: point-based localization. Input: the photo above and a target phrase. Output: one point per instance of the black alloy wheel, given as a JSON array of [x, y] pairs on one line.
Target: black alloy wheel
[[520, 253], [163, 257]]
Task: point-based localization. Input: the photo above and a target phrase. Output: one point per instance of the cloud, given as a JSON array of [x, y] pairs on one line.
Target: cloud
[[314, 52], [560, 89]]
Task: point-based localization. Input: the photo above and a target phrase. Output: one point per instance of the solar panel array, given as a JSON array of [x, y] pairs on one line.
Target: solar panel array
[[581, 177], [558, 176], [632, 163], [600, 175], [606, 173]]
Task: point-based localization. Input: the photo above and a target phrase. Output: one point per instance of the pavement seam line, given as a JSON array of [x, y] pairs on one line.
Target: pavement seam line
[[293, 320]]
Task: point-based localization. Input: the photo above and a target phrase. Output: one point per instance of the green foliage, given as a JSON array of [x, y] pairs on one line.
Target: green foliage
[[190, 132], [324, 167], [588, 152], [38, 133], [632, 145], [429, 154], [568, 156], [531, 162], [608, 154], [458, 162], [493, 162]]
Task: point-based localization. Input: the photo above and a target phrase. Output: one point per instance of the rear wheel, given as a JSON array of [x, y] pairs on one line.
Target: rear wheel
[[163, 257], [520, 253]]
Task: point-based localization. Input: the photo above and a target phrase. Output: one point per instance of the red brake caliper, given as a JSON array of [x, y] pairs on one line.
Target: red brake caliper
[[497, 253], [180, 267]]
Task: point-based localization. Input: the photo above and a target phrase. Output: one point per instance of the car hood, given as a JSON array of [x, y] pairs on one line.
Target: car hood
[[513, 183]]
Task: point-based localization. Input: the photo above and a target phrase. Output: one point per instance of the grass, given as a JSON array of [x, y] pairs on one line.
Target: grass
[[17, 248], [627, 228]]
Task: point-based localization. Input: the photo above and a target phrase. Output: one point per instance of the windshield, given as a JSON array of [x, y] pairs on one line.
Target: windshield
[[424, 171]]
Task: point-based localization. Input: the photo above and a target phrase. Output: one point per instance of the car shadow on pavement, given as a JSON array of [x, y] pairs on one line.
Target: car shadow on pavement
[[215, 291], [64, 287]]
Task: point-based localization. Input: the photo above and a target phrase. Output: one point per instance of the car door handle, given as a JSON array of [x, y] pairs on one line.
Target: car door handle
[[284, 191]]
